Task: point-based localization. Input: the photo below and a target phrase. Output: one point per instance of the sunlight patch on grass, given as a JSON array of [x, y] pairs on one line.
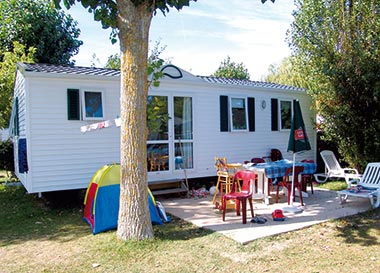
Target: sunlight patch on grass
[[333, 185]]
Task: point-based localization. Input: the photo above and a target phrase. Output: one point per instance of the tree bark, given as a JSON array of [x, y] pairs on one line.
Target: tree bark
[[134, 217]]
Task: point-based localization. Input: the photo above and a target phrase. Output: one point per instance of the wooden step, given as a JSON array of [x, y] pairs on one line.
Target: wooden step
[[167, 186]]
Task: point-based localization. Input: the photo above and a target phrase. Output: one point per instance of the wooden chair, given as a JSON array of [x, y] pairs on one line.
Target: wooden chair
[[221, 163], [222, 186], [242, 196], [224, 182], [287, 183]]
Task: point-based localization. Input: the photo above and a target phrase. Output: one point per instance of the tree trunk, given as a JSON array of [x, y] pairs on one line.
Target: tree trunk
[[134, 217]]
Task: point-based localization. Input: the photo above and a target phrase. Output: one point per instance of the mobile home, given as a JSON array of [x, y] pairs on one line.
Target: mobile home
[[191, 119]]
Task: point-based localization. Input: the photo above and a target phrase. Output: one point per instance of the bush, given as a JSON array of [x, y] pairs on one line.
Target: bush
[[6, 156]]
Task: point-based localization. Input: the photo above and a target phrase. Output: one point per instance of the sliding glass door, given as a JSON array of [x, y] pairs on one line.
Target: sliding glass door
[[170, 133]]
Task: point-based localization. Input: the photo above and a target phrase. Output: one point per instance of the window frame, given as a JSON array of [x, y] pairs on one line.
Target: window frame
[[83, 103], [280, 101], [230, 106]]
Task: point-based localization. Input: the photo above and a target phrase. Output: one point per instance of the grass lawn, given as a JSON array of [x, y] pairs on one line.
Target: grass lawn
[[35, 237]]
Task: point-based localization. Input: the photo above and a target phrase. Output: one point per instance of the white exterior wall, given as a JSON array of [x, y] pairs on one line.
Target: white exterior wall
[[60, 157], [20, 93]]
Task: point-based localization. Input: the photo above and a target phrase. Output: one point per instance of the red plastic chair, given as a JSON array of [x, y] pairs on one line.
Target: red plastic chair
[[240, 196], [307, 178], [275, 155], [287, 183], [257, 160]]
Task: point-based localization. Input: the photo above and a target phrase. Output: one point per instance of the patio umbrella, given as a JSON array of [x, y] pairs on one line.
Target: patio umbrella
[[298, 142]]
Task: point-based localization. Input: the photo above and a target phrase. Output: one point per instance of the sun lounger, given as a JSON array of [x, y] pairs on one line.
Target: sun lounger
[[334, 170], [368, 186]]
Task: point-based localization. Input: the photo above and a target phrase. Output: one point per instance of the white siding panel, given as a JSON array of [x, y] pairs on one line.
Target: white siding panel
[[241, 146], [63, 157], [20, 92]]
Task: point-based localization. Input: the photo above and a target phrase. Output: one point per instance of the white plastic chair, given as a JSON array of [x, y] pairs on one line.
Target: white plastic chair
[[334, 170], [368, 186]]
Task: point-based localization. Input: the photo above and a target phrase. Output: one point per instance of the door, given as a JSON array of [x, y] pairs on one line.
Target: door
[[170, 134]]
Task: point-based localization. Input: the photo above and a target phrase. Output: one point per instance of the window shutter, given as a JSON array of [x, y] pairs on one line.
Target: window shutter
[[15, 124], [224, 113], [251, 114], [22, 156], [274, 110], [73, 112]]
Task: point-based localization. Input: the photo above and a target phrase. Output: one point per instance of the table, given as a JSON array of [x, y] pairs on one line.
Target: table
[[273, 170], [234, 166]]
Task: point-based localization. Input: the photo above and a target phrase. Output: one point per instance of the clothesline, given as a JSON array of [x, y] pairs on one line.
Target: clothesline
[[100, 125]]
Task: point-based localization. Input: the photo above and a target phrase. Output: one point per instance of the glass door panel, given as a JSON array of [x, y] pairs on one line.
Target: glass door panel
[[158, 134], [170, 133], [183, 156], [157, 118], [158, 157], [183, 131]]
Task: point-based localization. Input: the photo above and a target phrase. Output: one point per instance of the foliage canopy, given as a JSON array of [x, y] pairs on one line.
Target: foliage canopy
[[336, 44], [232, 70], [36, 23], [106, 11], [7, 78]]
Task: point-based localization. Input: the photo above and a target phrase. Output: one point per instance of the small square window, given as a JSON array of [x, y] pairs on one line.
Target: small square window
[[238, 113], [93, 105]]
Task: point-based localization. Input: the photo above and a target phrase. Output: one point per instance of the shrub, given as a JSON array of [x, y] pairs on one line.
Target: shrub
[[6, 156]]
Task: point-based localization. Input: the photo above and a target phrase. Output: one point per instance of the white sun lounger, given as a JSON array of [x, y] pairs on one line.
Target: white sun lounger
[[334, 170], [368, 186]]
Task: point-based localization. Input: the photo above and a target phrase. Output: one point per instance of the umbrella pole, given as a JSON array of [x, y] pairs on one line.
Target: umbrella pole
[[293, 172]]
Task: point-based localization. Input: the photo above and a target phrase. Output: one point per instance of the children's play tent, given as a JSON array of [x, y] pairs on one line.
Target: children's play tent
[[102, 200]]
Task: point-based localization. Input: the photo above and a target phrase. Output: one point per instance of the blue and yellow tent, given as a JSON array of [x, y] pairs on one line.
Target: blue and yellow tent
[[102, 200]]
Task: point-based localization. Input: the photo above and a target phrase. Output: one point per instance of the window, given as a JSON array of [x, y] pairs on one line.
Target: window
[[238, 112], [183, 132], [282, 113], [183, 118], [286, 114], [92, 102], [234, 114]]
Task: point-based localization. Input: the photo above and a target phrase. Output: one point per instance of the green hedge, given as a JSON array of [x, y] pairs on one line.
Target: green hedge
[[6, 156]]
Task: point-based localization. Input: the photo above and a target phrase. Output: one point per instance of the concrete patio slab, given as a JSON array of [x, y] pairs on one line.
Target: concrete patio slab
[[321, 206]]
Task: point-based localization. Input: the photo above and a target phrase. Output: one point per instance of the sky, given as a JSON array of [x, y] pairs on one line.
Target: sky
[[198, 38]]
